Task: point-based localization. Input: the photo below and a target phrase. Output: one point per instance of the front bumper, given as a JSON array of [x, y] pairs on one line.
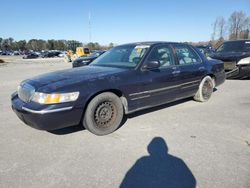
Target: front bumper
[[74, 65], [242, 71], [46, 117], [79, 64]]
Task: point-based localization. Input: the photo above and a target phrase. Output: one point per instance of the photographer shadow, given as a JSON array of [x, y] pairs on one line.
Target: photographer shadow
[[159, 169]]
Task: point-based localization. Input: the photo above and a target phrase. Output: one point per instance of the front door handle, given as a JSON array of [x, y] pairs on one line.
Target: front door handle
[[202, 68]]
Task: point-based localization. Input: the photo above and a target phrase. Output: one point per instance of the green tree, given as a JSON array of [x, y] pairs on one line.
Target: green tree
[[60, 45], [1, 40], [51, 44], [73, 44], [111, 45], [94, 46], [11, 43], [21, 44], [6, 44], [32, 44], [41, 44], [91, 45]]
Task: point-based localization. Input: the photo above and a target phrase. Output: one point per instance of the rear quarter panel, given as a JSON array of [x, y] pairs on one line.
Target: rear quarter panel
[[216, 68]]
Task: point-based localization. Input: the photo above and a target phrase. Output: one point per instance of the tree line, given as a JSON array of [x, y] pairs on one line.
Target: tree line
[[237, 26], [39, 45]]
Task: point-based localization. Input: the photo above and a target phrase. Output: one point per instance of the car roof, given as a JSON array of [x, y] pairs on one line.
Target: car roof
[[201, 46], [150, 43]]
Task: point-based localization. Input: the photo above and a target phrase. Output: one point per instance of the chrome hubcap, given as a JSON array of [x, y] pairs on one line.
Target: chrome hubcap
[[207, 89]]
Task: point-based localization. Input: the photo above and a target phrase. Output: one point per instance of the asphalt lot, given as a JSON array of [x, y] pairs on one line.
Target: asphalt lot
[[202, 144]]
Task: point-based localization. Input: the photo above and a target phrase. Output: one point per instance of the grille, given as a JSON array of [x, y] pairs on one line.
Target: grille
[[229, 65], [25, 92]]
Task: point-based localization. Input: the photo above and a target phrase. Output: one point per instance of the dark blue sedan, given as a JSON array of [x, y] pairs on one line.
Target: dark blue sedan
[[236, 57], [125, 79], [83, 61]]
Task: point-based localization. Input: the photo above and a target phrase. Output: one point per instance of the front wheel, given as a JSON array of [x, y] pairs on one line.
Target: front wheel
[[205, 90], [104, 114]]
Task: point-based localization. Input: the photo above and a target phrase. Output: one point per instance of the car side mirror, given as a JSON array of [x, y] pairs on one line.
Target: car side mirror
[[151, 65]]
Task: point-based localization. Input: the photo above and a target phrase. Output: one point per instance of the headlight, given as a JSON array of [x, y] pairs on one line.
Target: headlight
[[244, 61], [44, 98]]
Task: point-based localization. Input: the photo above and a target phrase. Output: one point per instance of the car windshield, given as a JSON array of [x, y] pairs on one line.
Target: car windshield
[[235, 46], [86, 50], [122, 56]]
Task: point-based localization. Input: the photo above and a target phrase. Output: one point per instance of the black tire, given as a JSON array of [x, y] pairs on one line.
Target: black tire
[[205, 90], [104, 114]]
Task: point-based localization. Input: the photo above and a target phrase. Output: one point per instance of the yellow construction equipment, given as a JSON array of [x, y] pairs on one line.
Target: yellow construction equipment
[[80, 52]]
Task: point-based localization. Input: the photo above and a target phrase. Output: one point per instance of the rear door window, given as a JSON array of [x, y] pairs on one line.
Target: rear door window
[[186, 55]]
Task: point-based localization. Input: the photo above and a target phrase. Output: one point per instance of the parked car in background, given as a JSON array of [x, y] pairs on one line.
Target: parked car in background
[[236, 57], [16, 53], [31, 56], [26, 52], [205, 49], [82, 61], [123, 80], [50, 54], [6, 52], [62, 54]]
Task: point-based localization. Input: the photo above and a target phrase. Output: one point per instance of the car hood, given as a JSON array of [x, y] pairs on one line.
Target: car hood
[[64, 78], [230, 56]]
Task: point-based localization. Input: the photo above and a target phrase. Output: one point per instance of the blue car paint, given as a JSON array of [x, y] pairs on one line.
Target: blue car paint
[[138, 88]]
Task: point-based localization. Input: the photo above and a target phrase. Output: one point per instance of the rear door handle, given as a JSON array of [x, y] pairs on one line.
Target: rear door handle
[[176, 72]]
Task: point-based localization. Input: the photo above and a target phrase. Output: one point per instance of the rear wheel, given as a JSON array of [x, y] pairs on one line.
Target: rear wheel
[[205, 90], [104, 114]]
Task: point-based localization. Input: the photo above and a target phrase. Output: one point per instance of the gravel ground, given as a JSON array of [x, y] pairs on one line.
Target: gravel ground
[[201, 144]]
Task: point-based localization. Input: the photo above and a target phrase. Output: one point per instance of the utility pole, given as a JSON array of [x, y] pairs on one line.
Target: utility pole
[[89, 27]]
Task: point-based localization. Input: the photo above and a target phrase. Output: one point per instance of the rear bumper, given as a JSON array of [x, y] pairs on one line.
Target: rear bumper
[[220, 78], [48, 117]]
